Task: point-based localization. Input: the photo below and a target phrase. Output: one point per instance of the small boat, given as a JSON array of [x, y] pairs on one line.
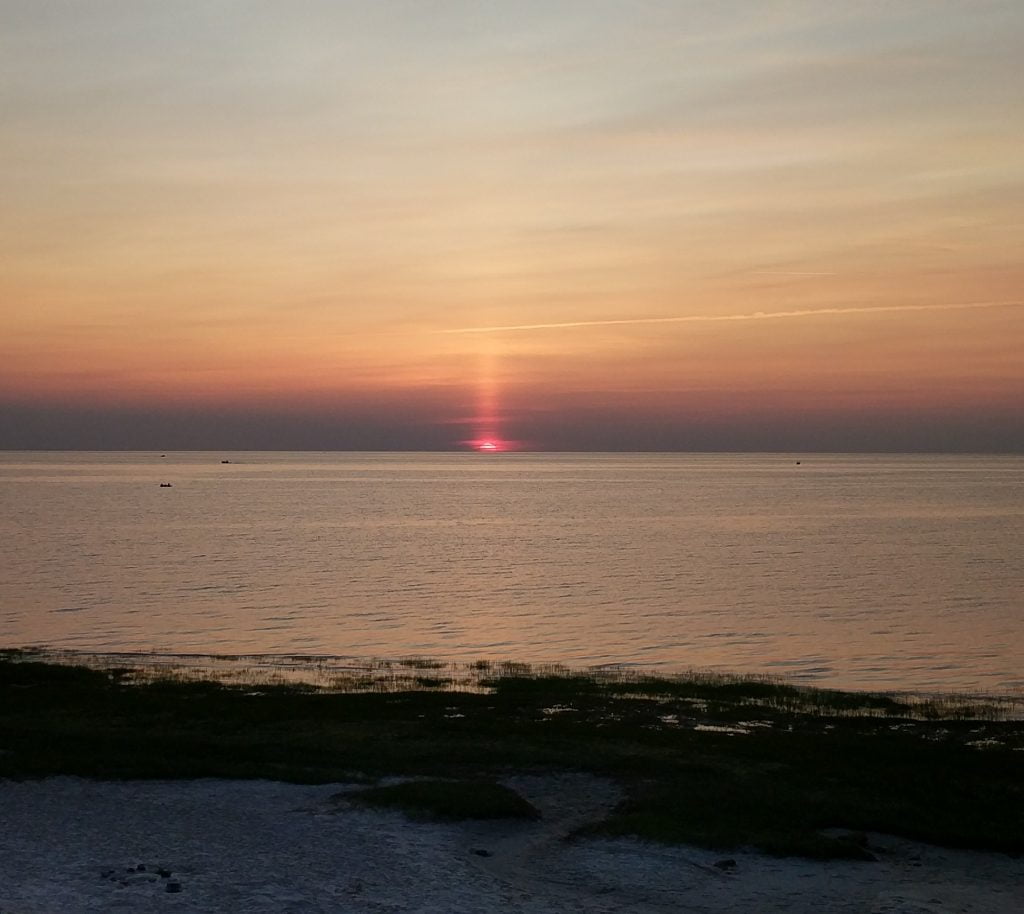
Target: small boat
[[165, 485], [225, 461]]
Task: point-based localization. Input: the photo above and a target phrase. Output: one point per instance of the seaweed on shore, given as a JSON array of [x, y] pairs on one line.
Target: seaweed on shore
[[448, 799]]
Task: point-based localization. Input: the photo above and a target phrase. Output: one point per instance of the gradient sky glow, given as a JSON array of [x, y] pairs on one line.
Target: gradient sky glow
[[681, 225]]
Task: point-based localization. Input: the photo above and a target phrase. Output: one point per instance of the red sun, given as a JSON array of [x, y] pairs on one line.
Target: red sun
[[491, 445]]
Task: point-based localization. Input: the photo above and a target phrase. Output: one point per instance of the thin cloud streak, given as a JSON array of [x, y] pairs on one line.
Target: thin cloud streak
[[753, 316]]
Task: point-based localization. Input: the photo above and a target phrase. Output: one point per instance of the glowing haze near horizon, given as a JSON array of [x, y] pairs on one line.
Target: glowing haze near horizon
[[572, 225]]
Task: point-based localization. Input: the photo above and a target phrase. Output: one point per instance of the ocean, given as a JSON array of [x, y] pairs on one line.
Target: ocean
[[867, 572]]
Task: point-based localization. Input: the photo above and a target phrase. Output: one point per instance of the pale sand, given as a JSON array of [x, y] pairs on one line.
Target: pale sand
[[257, 846]]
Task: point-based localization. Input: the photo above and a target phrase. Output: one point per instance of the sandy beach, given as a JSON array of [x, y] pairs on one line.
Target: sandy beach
[[73, 845]]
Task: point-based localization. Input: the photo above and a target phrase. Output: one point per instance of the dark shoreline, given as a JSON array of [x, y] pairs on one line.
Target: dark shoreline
[[717, 761], [349, 672]]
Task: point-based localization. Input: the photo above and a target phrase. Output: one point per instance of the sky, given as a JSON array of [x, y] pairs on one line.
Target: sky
[[570, 225]]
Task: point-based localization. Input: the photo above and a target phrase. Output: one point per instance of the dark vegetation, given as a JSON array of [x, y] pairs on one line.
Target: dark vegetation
[[719, 761], [449, 799]]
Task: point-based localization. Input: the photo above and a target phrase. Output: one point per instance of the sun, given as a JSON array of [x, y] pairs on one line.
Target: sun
[[490, 444]]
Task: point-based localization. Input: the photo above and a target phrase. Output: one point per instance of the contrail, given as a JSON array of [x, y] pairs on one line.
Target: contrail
[[792, 273], [752, 316]]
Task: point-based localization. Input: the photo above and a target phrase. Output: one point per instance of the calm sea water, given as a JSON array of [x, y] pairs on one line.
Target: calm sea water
[[868, 572]]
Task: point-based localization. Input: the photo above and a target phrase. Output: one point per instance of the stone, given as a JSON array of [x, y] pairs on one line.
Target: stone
[[173, 887]]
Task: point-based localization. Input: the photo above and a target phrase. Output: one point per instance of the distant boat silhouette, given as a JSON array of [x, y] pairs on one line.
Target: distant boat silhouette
[[165, 485], [225, 461]]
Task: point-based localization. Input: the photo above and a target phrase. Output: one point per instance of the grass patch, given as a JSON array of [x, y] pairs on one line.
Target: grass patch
[[780, 796], [454, 800]]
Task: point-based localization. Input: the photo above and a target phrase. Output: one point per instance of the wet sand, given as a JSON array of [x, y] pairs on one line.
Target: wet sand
[[75, 846]]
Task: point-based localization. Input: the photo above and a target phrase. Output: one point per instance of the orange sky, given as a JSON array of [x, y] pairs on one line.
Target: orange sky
[[277, 215]]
